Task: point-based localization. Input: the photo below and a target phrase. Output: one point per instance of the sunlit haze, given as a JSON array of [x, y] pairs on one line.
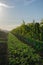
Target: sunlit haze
[[13, 12]]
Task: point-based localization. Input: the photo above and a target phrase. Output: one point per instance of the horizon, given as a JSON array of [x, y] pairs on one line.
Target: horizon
[[13, 12]]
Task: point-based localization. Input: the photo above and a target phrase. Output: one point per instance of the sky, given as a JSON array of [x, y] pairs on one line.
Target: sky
[[13, 12]]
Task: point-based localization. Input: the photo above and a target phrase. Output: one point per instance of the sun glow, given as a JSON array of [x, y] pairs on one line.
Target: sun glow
[[3, 5], [1, 8], [0, 4]]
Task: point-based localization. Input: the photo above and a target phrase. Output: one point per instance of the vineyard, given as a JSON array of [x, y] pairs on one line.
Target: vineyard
[[22, 45], [20, 53]]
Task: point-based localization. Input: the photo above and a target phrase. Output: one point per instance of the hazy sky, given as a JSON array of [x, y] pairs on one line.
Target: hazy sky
[[12, 12]]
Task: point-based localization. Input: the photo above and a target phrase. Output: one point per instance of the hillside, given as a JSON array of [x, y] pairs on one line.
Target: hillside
[[20, 53], [22, 46], [30, 30], [31, 35]]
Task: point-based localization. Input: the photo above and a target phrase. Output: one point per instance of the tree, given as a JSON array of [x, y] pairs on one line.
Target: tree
[[37, 30], [41, 21], [41, 33]]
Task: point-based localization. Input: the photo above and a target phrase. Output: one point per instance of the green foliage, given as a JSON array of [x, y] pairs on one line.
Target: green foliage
[[33, 30], [37, 45], [20, 53], [42, 32], [41, 21], [31, 34]]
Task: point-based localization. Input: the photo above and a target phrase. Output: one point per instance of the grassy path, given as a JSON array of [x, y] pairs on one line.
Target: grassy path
[[3, 49]]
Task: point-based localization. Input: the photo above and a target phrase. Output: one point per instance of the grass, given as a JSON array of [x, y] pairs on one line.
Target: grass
[[20, 53]]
